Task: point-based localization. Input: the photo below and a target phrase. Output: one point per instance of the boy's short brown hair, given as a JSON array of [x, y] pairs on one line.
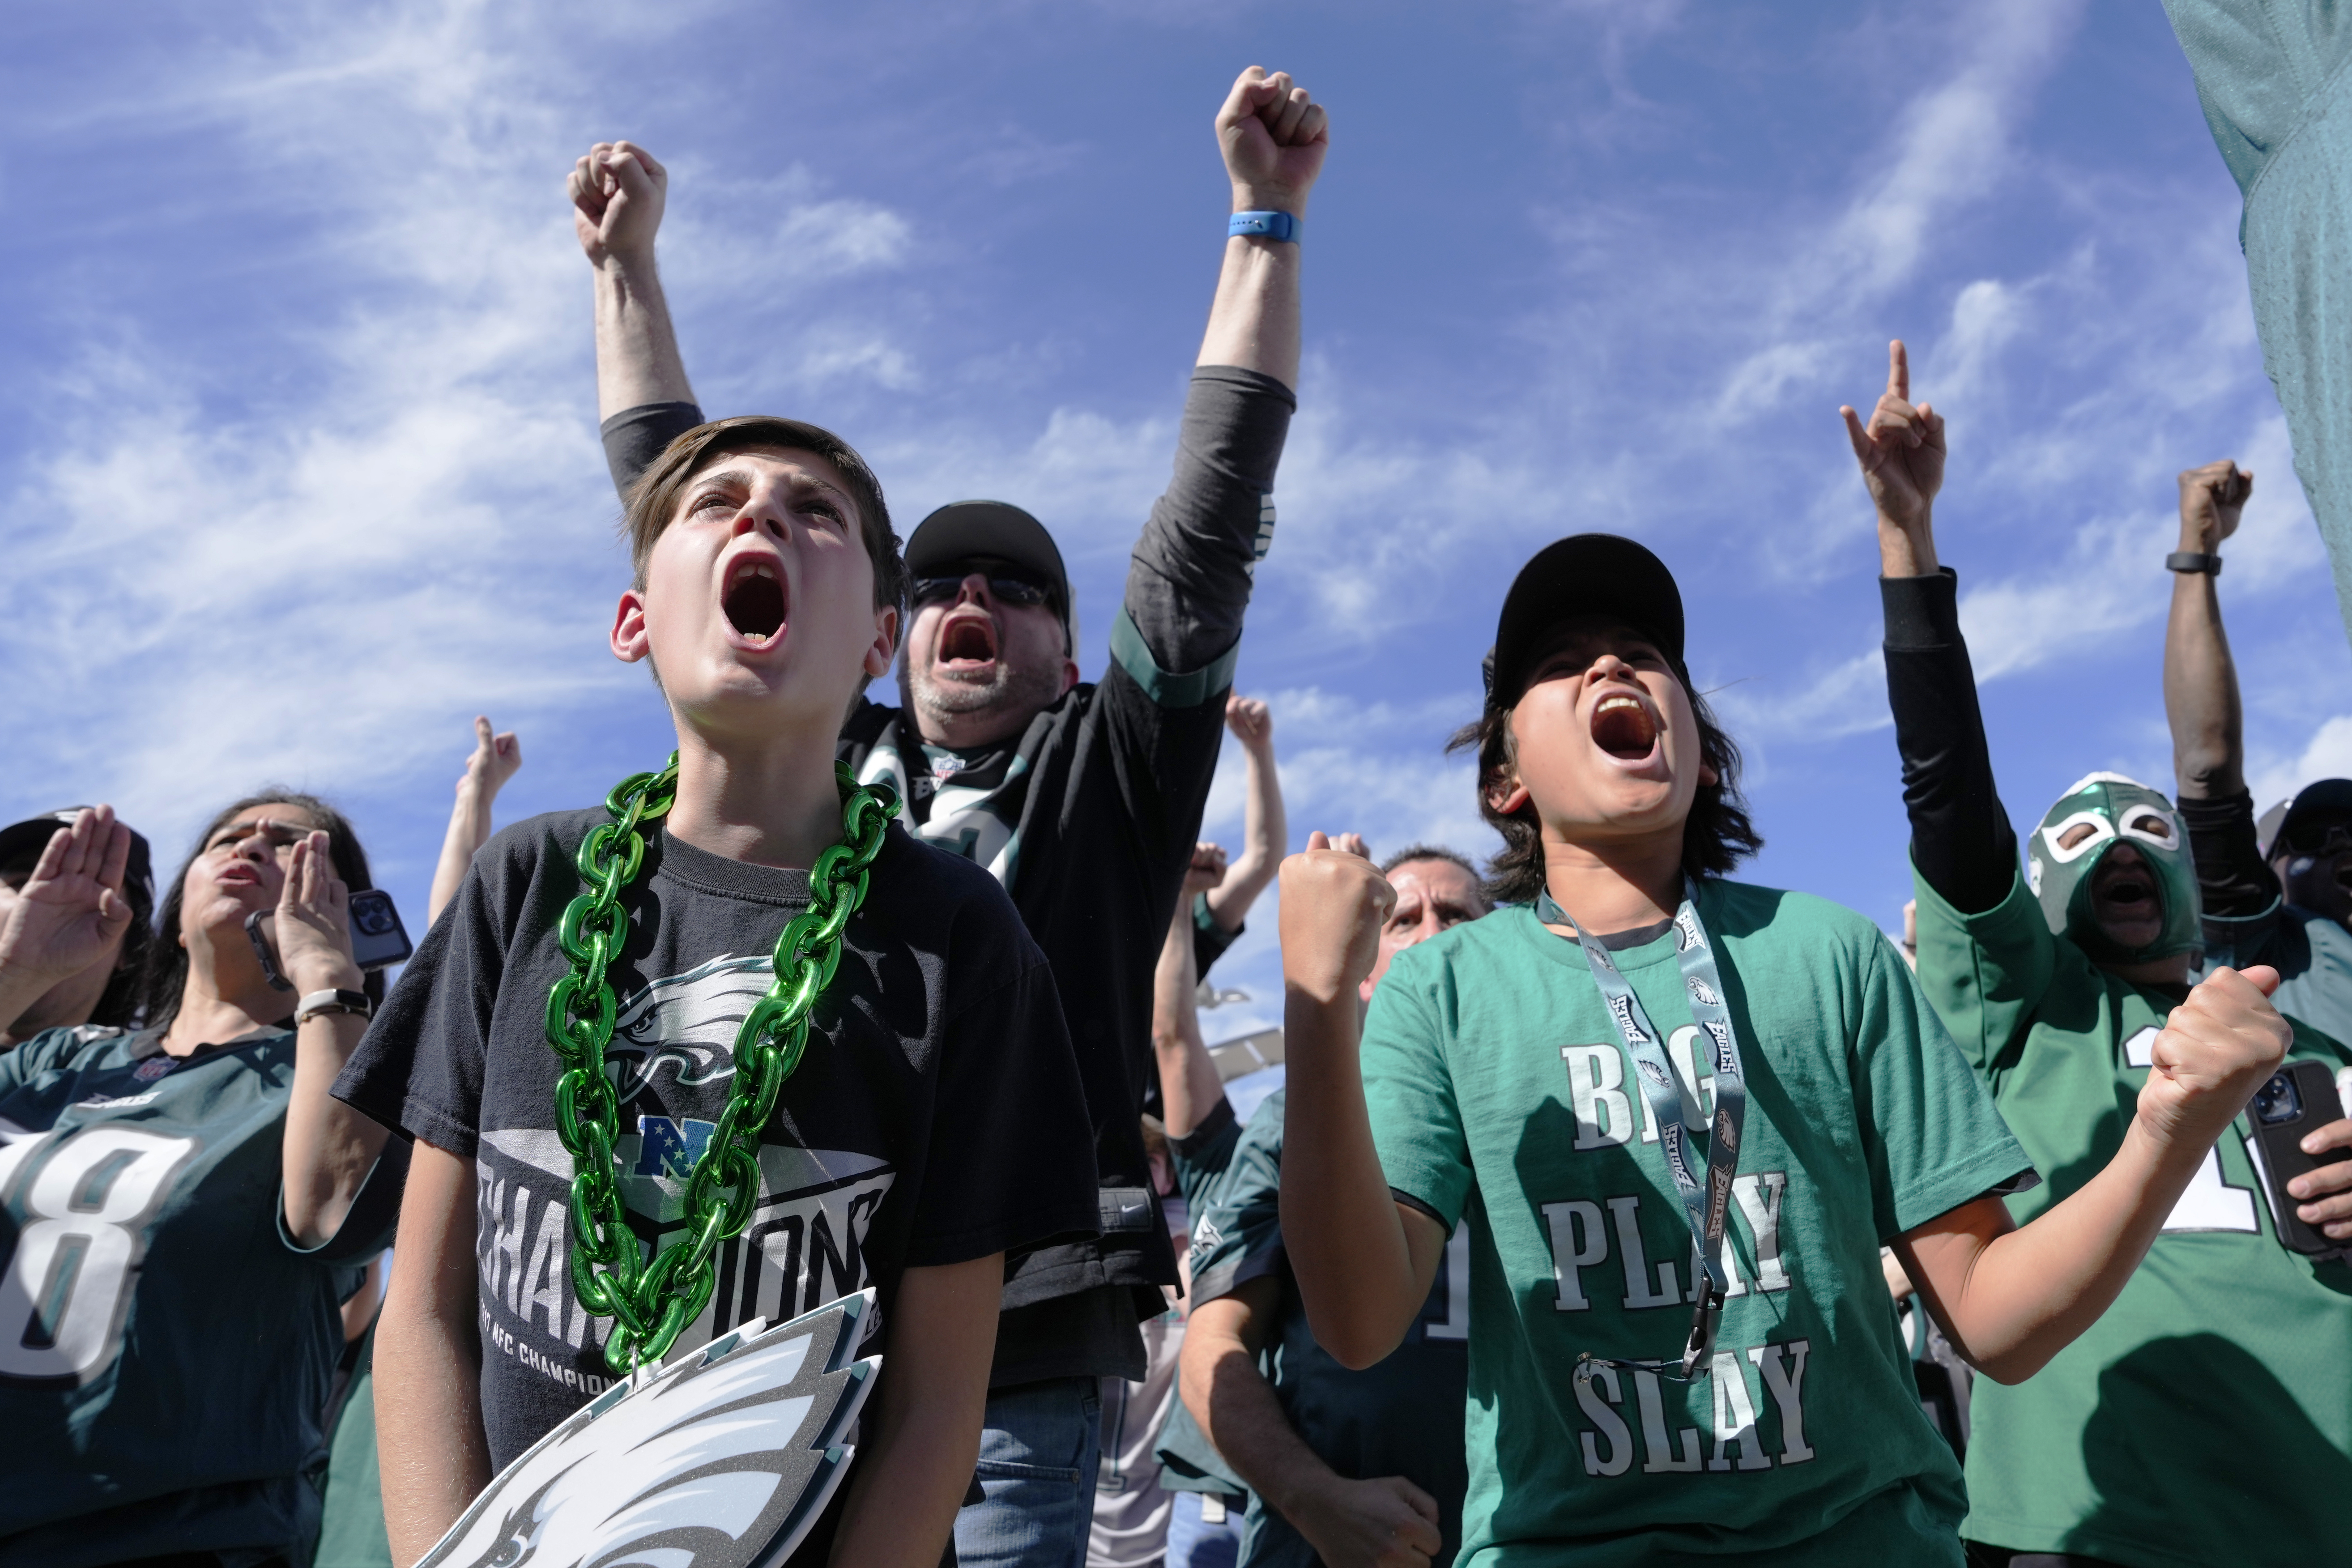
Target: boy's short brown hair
[[651, 503]]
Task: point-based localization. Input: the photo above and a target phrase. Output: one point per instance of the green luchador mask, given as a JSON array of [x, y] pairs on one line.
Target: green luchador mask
[[2077, 834]]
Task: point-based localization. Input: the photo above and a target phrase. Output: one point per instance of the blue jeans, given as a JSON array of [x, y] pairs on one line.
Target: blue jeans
[[1194, 1544], [1040, 1444]]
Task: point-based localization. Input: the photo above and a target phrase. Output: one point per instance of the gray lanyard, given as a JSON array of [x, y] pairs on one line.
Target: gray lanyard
[[1706, 1196]]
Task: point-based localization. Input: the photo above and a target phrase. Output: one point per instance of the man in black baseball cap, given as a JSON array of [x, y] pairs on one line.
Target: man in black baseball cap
[[101, 991], [1085, 800]]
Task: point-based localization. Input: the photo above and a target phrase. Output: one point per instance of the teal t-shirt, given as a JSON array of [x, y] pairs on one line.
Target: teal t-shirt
[[1500, 1091], [2211, 1406]]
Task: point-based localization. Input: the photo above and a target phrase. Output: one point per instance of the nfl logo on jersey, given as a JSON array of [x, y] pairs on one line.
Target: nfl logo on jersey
[[153, 1069]]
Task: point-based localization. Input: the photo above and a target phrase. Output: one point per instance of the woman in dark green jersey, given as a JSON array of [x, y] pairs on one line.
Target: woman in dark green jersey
[[185, 1206], [2207, 1416], [1643, 1052]]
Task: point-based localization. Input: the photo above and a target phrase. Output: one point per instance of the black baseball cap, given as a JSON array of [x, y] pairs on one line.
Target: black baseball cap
[[2329, 797], [1583, 575], [966, 530], [23, 840]]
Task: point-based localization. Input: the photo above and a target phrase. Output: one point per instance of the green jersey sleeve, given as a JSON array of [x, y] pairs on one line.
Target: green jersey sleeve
[[1936, 1140], [1409, 1087], [1238, 1237], [1986, 975]]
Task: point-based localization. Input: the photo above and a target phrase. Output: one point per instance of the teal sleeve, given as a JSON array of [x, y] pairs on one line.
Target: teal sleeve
[[1239, 1237], [1986, 975], [1936, 1142], [1202, 1156], [1409, 1091]]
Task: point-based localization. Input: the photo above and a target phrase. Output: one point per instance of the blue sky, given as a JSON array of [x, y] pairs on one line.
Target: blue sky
[[299, 469]]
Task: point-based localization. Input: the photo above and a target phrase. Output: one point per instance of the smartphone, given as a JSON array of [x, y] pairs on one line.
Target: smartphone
[[2299, 1101], [377, 936]]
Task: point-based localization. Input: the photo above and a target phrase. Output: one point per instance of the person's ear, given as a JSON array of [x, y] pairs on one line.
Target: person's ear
[[1069, 674], [631, 641], [1707, 775], [884, 646], [1507, 796]]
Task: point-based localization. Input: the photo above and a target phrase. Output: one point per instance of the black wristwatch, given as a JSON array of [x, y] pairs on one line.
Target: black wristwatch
[[2193, 561]]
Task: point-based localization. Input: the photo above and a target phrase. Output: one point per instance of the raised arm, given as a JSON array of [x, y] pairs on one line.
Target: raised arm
[[1364, 1262], [1266, 833], [328, 1148], [435, 1455], [1961, 840], [495, 757], [2200, 701], [1189, 1085], [1190, 582], [69, 916], [617, 194]]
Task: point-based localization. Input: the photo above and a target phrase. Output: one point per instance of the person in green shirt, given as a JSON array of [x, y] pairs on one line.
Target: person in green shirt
[[2210, 1408], [1546, 1073]]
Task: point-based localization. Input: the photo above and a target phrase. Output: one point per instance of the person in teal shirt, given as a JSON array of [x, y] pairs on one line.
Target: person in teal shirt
[[1644, 1050]]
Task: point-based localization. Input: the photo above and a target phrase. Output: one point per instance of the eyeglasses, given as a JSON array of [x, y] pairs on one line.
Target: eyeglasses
[[2318, 840], [1001, 586]]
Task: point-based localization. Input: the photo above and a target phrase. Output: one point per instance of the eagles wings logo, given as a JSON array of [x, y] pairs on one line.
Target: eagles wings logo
[[687, 1023], [723, 1460]]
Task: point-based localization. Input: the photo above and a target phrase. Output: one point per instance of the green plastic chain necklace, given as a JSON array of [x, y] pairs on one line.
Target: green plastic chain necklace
[[651, 1302]]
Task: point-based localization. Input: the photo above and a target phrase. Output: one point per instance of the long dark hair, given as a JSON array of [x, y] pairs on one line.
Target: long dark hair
[[165, 973], [1717, 835]]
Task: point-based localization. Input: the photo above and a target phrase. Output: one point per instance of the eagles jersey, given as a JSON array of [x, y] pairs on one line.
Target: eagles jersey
[[1400, 1417], [165, 1350]]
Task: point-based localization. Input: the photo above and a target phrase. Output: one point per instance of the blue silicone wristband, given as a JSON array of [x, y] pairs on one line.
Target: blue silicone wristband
[[1265, 225]]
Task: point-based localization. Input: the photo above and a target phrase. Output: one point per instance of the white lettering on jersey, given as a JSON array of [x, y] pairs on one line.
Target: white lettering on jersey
[[1788, 1388], [1663, 1456], [1456, 1325], [1626, 1212], [2211, 1203], [1734, 1416], [1568, 1255], [1596, 1091], [1760, 1195], [1597, 1411], [2139, 1051], [68, 1286]]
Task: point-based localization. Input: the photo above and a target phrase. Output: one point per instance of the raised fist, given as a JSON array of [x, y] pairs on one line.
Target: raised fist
[[495, 757], [1274, 137], [70, 912], [617, 193], [1251, 721], [1333, 906], [1207, 870], [2217, 1048], [2211, 500], [1901, 451]]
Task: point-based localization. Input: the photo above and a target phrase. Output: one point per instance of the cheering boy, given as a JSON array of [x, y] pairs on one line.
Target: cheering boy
[[1643, 1053], [934, 1121]]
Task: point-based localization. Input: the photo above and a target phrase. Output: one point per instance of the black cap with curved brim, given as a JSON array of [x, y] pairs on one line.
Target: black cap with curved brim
[[966, 530], [1585, 574], [2327, 797], [24, 840]]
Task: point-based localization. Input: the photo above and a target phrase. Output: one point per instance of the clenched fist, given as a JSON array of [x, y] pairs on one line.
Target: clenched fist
[[2217, 1048], [1333, 906], [1251, 721], [1273, 136], [1207, 870], [2211, 501], [617, 194]]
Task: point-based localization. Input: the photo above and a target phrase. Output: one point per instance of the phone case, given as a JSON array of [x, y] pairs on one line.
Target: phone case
[[264, 947], [377, 936], [2299, 1100]]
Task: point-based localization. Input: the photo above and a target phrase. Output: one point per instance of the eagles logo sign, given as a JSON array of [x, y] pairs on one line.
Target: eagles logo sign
[[723, 1461]]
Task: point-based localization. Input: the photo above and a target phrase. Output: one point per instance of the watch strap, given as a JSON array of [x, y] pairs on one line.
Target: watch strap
[[1275, 226], [2193, 561], [314, 1003]]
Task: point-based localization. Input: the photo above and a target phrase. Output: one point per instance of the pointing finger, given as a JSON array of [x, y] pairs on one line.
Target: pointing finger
[[1899, 371]]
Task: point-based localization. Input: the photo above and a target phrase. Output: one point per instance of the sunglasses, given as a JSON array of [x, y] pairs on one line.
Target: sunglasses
[[2318, 840], [1003, 586]]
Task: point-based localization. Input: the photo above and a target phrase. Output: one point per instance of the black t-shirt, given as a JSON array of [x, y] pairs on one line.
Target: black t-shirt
[[936, 1117], [1089, 819]]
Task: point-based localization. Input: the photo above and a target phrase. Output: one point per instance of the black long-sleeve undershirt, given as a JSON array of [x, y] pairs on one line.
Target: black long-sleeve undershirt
[[2234, 880], [1961, 840]]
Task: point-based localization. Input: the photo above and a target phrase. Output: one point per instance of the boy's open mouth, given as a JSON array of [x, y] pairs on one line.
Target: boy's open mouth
[[1624, 728], [966, 642], [754, 599]]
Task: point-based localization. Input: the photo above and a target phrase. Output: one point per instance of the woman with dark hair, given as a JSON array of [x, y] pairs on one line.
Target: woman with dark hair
[[188, 1204]]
